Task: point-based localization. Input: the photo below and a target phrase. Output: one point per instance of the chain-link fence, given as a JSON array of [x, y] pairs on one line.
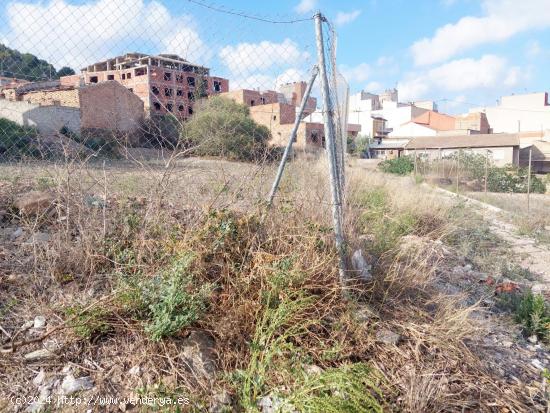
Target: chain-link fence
[[115, 94], [488, 176]]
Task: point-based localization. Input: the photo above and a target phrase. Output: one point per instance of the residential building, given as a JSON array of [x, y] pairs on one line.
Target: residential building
[[429, 123], [473, 122], [503, 148], [366, 109], [50, 106], [518, 113], [165, 83], [277, 111], [294, 93]]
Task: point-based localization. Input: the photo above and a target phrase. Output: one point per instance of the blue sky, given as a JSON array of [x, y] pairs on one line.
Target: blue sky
[[459, 52]]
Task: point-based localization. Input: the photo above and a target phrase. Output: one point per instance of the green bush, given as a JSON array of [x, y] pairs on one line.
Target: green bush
[[221, 127], [169, 301], [534, 315], [499, 179], [531, 311], [17, 141], [399, 166]]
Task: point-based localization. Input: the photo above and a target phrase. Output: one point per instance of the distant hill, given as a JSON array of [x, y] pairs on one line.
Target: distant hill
[[27, 66]]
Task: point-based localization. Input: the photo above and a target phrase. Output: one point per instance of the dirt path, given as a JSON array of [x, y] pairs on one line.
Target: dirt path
[[533, 256]]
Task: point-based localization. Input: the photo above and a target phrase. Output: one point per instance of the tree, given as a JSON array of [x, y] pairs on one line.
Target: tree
[[65, 71], [221, 127]]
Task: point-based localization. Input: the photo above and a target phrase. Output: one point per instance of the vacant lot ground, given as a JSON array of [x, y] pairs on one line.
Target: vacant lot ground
[[165, 281]]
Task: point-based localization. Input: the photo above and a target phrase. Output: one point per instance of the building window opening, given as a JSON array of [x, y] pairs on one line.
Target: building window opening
[[128, 76], [167, 76], [274, 117], [141, 71], [131, 90], [156, 105], [179, 92], [190, 110], [93, 79], [217, 86], [190, 96], [314, 137], [123, 76], [252, 103], [110, 77], [169, 107], [191, 81], [179, 78], [181, 108], [155, 90], [168, 92]]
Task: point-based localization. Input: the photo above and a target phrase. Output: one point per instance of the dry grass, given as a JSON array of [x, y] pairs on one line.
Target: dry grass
[[275, 308]]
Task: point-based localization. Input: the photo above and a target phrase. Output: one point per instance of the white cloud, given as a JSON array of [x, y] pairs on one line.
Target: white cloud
[[345, 18], [502, 19], [263, 81], [373, 87], [488, 72], [305, 6], [246, 58], [76, 35], [356, 74]]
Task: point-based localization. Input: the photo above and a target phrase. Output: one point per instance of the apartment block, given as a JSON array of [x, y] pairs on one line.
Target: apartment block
[[165, 83]]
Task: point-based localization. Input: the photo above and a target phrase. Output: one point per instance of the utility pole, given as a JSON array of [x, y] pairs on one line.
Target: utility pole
[[457, 171], [486, 170], [328, 118], [529, 180]]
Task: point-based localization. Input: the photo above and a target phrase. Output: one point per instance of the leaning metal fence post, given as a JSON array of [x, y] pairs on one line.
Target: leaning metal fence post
[[288, 148], [331, 148]]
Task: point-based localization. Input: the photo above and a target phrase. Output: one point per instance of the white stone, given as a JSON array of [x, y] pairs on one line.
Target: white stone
[[41, 354], [71, 384], [39, 321]]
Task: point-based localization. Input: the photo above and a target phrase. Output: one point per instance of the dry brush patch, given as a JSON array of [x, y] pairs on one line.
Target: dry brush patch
[[130, 280]]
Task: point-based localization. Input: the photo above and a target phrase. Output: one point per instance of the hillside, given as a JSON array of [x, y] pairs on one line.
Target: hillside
[[27, 66]]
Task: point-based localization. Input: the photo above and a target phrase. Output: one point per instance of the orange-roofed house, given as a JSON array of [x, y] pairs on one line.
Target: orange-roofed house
[[430, 123]]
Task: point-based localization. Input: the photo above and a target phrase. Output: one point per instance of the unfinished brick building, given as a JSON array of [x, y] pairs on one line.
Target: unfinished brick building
[[165, 83], [277, 111]]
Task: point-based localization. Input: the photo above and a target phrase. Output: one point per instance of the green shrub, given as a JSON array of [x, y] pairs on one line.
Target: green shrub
[[221, 127], [347, 388], [399, 166], [169, 301], [534, 315], [88, 323], [17, 141]]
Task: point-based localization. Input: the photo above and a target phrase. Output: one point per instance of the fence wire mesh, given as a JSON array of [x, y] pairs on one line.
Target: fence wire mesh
[[103, 79], [123, 91]]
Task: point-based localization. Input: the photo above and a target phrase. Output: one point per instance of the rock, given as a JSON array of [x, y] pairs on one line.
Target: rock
[[271, 404], [39, 379], [135, 371], [38, 238], [199, 355], [16, 234], [533, 339], [537, 363], [39, 322], [94, 201], [312, 369], [40, 403], [388, 337], [41, 354], [507, 344], [361, 266], [27, 325], [3, 214], [34, 202], [220, 402], [71, 385]]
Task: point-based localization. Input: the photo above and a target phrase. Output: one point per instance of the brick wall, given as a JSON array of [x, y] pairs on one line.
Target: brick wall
[[110, 105], [59, 97]]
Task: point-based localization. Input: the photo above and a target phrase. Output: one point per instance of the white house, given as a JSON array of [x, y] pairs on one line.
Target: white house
[[365, 108], [519, 113]]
